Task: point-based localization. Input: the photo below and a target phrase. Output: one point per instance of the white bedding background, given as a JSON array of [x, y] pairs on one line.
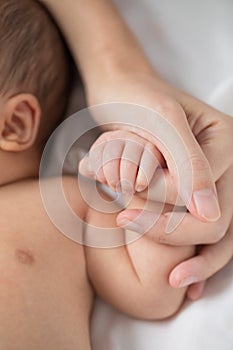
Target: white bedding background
[[190, 42]]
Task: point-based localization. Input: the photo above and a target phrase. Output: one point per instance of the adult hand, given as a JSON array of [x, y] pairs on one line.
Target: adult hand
[[214, 132], [146, 90]]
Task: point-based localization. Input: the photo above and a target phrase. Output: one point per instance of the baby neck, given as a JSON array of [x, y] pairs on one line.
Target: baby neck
[[18, 166]]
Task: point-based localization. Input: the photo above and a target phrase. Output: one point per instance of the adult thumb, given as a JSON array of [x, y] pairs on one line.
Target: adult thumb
[[191, 170], [187, 164]]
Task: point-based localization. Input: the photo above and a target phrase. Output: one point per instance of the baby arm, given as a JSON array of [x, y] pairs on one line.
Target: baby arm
[[132, 277]]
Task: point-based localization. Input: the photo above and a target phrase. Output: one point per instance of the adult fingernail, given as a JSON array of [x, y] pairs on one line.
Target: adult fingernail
[[130, 225], [187, 281], [206, 203]]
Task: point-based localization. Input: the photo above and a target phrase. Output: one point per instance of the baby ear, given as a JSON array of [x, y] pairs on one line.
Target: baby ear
[[20, 121]]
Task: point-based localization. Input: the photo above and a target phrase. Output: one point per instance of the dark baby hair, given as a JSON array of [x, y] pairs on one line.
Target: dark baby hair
[[34, 59]]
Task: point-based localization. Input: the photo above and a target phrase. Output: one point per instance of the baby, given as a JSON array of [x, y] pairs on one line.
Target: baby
[[46, 279]]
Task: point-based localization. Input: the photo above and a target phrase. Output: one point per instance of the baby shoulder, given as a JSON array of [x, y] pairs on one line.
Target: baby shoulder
[[27, 202]]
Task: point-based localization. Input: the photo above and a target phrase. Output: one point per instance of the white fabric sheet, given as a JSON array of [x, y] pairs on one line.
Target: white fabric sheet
[[191, 45]]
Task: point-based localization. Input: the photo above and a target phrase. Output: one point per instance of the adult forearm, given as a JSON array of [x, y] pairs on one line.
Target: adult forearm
[[100, 41]]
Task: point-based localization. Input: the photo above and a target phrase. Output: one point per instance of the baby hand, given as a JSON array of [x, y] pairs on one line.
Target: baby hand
[[122, 160]]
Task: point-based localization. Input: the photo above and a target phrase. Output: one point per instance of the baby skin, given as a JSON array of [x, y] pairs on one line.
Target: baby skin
[[134, 277], [47, 280]]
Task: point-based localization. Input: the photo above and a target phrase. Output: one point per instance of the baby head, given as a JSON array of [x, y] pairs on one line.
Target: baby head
[[34, 76]]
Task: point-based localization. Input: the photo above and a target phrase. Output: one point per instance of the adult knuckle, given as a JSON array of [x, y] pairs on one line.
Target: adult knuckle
[[221, 228], [223, 223], [218, 233], [168, 106], [215, 237], [196, 162]]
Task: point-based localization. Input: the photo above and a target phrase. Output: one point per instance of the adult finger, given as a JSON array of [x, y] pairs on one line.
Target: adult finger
[[195, 291], [190, 230], [162, 189], [210, 259], [216, 141]]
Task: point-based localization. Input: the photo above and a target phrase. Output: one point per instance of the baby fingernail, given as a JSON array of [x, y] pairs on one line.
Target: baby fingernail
[[140, 188], [187, 281], [206, 203]]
